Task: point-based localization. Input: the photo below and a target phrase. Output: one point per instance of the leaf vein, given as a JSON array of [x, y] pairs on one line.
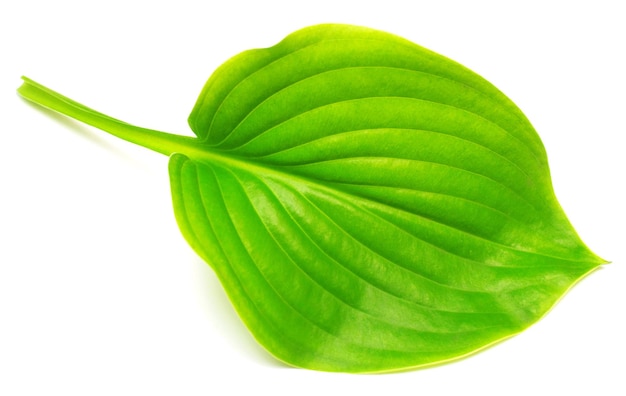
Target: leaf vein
[[436, 76], [328, 105]]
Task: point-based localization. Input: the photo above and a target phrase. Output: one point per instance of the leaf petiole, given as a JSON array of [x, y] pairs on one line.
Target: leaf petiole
[[161, 142]]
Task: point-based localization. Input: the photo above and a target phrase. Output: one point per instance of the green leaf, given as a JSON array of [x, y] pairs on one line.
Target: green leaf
[[367, 204]]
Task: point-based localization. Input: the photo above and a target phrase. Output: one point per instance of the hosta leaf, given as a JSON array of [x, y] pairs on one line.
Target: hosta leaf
[[367, 204]]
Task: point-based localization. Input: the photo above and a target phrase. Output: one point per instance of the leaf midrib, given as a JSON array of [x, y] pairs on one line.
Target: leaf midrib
[[169, 144]]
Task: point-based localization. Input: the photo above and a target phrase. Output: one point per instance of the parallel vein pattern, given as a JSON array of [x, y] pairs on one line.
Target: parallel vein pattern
[[383, 208]]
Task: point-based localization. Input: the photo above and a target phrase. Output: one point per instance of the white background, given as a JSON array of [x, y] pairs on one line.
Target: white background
[[100, 294]]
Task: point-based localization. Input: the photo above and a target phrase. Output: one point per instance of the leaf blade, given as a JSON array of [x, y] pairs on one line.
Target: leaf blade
[[444, 167]]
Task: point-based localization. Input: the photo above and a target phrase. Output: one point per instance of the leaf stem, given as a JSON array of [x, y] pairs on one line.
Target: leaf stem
[[161, 142]]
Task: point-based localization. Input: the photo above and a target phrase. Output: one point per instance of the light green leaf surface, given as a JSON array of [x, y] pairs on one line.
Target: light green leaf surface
[[367, 204]]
